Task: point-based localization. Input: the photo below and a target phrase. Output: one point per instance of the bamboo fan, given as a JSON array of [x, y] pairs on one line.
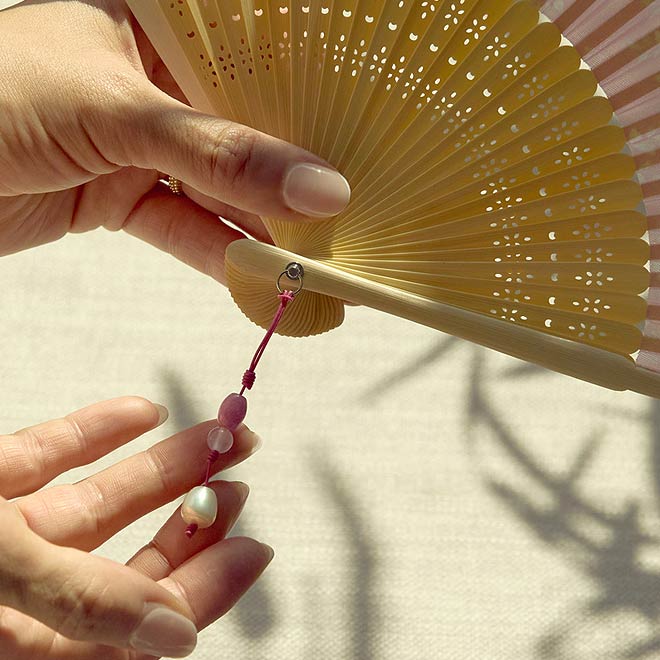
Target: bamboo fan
[[495, 194]]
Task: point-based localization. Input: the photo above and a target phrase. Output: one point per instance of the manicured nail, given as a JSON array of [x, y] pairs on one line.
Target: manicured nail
[[164, 632], [316, 190], [257, 442], [243, 490], [250, 441], [163, 413], [269, 551]]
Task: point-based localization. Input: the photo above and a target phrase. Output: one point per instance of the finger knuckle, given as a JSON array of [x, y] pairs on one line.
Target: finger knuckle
[[75, 430], [114, 100], [79, 606], [15, 583], [94, 514], [231, 156], [162, 470]]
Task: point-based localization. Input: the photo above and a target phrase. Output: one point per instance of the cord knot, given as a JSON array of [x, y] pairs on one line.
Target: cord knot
[[248, 379]]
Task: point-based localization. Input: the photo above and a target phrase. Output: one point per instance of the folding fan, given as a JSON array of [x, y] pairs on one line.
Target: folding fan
[[496, 195]]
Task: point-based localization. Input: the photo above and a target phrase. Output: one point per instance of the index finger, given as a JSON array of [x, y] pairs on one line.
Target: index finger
[[31, 457]]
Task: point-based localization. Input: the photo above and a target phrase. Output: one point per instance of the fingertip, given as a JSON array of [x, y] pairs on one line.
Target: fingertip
[[268, 551], [250, 441], [163, 413], [164, 632], [243, 490], [140, 410]]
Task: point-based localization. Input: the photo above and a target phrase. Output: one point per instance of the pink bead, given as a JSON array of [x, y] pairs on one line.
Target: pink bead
[[220, 439], [232, 411]]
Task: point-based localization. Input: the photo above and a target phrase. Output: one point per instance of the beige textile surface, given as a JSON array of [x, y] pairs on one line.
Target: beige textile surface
[[425, 498]]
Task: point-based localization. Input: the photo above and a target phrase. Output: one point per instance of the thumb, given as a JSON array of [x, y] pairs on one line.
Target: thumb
[[224, 160], [89, 598]]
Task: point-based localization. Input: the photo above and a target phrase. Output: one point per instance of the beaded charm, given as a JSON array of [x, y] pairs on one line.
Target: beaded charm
[[200, 506]]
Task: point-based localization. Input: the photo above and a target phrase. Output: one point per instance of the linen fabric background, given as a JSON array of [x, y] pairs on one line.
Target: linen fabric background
[[425, 498]]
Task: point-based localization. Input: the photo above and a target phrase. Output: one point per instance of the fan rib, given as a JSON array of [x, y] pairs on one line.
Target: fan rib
[[488, 171]]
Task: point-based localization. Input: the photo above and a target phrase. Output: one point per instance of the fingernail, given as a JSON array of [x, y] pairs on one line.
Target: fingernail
[[257, 442], [269, 551], [250, 441], [164, 632], [316, 190], [243, 490], [163, 413]]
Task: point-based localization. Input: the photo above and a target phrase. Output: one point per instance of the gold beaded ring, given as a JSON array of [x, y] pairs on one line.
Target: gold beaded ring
[[174, 185]]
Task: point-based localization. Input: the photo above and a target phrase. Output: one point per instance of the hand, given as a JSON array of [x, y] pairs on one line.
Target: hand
[[53, 592], [89, 117]]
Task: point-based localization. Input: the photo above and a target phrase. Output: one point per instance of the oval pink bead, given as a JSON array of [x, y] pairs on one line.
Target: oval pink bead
[[220, 439], [232, 411]]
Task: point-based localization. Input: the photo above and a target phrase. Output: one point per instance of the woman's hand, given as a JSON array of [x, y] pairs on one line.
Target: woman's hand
[[53, 592], [89, 117]]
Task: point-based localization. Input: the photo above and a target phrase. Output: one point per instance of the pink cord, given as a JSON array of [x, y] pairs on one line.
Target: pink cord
[[213, 456], [249, 376]]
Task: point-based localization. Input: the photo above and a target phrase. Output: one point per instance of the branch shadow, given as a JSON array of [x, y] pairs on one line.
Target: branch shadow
[[606, 548], [364, 613], [408, 371]]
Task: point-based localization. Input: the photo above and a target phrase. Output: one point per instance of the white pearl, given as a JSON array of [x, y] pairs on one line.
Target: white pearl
[[200, 507], [220, 439]]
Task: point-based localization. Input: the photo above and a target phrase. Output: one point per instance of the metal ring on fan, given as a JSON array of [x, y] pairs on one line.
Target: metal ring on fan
[[294, 272]]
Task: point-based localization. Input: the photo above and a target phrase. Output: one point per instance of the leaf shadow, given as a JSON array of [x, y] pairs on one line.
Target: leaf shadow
[[402, 374], [360, 602], [605, 547]]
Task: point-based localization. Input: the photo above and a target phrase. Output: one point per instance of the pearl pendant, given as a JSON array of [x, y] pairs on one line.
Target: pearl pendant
[[200, 507], [220, 439]]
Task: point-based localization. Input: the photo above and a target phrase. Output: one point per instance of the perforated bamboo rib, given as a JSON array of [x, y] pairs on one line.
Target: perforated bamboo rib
[[492, 185]]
